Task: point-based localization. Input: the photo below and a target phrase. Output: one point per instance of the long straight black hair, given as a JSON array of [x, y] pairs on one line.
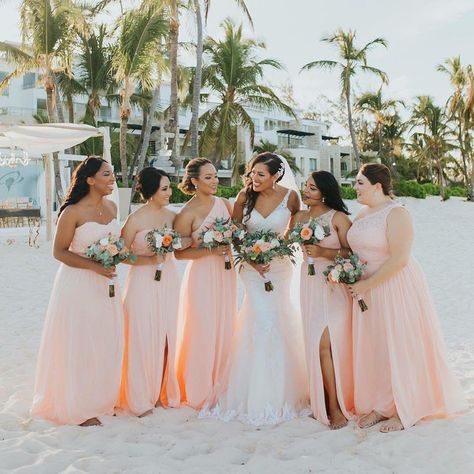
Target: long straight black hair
[[329, 189], [79, 187]]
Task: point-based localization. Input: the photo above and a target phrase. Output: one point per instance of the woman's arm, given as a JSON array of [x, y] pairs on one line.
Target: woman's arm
[[183, 225], [294, 203], [341, 224], [238, 211], [62, 240], [400, 238], [128, 233]]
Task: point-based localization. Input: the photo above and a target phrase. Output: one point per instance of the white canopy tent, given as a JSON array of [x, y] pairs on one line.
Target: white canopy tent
[[45, 139]]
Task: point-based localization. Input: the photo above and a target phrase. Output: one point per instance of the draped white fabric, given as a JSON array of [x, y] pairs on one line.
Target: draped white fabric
[[46, 138]]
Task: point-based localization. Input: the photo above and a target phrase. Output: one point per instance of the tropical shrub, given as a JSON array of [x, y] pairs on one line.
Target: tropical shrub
[[410, 188], [348, 192]]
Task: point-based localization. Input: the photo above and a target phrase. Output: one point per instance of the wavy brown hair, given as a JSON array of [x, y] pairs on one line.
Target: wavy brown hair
[[274, 164], [379, 173], [193, 169]]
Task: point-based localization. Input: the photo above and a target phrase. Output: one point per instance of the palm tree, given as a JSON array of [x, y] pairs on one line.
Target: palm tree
[[374, 104], [469, 124], [233, 74], [352, 59], [435, 135], [456, 107], [194, 126], [48, 29], [267, 146], [140, 34]]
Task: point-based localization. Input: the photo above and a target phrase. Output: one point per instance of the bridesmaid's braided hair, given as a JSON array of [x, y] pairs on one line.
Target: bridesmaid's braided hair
[[79, 187], [329, 189], [148, 181], [379, 173], [274, 165], [193, 168]]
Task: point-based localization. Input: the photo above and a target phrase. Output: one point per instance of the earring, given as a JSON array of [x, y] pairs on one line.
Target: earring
[[323, 199], [195, 187]]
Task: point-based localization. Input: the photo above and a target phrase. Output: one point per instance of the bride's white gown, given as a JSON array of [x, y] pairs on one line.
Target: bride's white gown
[[266, 381]]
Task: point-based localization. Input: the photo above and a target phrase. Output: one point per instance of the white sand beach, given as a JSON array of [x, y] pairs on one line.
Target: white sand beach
[[175, 441]]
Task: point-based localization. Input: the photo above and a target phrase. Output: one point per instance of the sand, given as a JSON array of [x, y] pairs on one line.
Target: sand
[[174, 440]]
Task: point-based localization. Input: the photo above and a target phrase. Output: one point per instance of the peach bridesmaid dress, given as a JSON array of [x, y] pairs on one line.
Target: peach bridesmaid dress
[[327, 306], [80, 355], [209, 308], [400, 360], [151, 326]]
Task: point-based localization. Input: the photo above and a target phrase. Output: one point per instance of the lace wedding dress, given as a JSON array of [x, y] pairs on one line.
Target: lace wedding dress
[[265, 381]]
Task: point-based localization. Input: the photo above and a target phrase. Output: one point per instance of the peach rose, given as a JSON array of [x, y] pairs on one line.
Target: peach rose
[[167, 239], [306, 233], [112, 249]]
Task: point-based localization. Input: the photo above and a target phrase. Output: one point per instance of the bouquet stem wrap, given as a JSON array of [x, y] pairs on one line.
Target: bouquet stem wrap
[[268, 283], [158, 271], [311, 271], [362, 305], [111, 288], [227, 264]]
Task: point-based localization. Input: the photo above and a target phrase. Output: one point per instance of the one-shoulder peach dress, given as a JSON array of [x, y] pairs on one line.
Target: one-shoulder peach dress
[[151, 327], [80, 356], [400, 360], [209, 309]]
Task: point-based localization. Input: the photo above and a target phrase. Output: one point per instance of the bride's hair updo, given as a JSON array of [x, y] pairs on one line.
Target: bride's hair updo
[[79, 187], [275, 166], [193, 169], [378, 173]]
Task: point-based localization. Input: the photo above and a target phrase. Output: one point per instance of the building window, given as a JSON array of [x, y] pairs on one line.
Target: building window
[[105, 113], [343, 166], [152, 147], [302, 167], [332, 165], [256, 123], [41, 105], [2, 76], [313, 164], [29, 80]]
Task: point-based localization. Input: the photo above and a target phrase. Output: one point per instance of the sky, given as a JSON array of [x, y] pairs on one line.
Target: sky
[[421, 34]]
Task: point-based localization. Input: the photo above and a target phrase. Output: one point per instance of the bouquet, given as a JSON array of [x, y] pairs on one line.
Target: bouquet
[[109, 251], [162, 241], [347, 270], [311, 232], [221, 232], [262, 247]]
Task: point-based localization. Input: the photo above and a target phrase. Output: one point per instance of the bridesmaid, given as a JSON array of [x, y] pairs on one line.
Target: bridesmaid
[[327, 309], [80, 355], [209, 291], [401, 374], [151, 307]]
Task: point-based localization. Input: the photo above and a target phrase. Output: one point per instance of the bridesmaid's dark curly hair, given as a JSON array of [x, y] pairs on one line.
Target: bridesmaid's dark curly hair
[[329, 189], [274, 165], [79, 187], [149, 180]]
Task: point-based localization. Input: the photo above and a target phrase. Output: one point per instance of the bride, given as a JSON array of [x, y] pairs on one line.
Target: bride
[[265, 381]]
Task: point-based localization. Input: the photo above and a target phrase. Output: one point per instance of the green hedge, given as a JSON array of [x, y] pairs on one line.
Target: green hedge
[[431, 189], [348, 192], [457, 191], [410, 188]]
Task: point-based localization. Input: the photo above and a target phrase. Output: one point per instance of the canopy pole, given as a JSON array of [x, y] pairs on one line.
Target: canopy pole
[[49, 196]]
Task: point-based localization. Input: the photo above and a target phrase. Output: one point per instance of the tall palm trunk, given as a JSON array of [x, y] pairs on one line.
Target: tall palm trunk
[[471, 193], [124, 116], [49, 88], [442, 185], [172, 124], [197, 83], [351, 129], [147, 130]]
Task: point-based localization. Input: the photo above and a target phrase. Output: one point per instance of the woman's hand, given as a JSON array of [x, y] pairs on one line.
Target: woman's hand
[[313, 251], [260, 268], [359, 288], [221, 250], [108, 272]]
